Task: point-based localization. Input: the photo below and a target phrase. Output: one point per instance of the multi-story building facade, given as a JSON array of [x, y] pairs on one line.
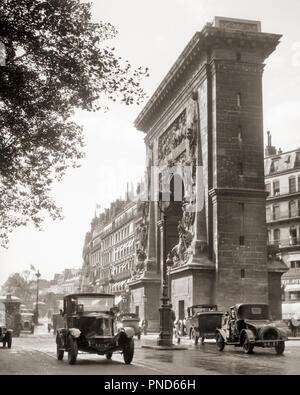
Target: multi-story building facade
[[109, 252], [282, 179]]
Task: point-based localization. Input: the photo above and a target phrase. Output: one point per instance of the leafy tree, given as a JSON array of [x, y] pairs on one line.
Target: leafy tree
[[56, 61], [18, 285]]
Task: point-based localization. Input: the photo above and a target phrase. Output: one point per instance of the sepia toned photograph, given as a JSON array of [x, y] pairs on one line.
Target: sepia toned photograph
[[149, 190]]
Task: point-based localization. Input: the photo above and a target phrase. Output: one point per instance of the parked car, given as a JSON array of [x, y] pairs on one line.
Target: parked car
[[201, 322], [5, 333], [27, 321], [249, 325], [90, 326], [130, 320]]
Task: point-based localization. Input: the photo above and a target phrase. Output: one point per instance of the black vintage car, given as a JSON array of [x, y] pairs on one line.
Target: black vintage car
[[249, 325], [202, 322], [90, 326], [5, 333]]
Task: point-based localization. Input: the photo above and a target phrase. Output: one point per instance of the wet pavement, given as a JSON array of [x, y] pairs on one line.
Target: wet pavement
[[36, 354]]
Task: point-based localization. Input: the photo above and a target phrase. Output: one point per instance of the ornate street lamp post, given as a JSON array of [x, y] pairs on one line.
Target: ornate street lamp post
[[38, 275], [165, 337]]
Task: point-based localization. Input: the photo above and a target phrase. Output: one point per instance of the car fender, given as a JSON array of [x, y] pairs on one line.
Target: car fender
[[283, 334], [222, 333], [129, 332], [249, 333], [62, 334], [124, 336]]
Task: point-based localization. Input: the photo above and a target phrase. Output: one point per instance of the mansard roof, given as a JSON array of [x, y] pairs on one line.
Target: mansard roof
[[282, 163]]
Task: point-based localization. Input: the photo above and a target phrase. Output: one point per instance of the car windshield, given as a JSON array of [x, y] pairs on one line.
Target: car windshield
[[253, 312], [95, 303], [202, 309]]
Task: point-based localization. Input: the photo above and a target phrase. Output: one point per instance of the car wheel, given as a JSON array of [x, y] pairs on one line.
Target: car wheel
[[9, 340], [73, 350], [109, 355], [195, 338], [220, 342], [59, 352], [247, 346], [4, 344], [128, 351], [279, 348], [202, 340]]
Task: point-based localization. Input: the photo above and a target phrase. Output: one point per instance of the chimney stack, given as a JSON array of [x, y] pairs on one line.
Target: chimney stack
[[270, 150]]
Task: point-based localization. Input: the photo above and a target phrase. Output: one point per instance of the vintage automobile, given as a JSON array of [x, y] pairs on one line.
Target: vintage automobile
[[202, 322], [90, 326], [130, 320], [249, 325], [12, 312], [27, 320], [5, 333]]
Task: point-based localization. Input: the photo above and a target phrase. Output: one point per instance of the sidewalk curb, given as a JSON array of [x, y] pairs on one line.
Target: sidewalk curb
[[170, 348]]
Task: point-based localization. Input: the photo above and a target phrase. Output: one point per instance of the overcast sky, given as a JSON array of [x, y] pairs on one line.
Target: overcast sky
[[152, 33]]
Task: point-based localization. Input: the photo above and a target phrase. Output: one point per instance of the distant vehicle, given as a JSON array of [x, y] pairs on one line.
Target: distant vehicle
[[5, 333], [90, 326], [27, 320], [201, 322], [13, 315], [130, 320], [249, 325]]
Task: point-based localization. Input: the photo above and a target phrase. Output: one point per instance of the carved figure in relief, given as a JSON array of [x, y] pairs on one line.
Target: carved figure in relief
[[181, 251]]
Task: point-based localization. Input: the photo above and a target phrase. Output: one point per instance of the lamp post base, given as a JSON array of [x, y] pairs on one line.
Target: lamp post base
[[165, 337]]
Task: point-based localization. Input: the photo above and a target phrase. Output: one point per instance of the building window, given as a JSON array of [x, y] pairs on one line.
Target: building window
[[293, 211], [243, 273], [276, 212], [268, 214], [268, 188], [295, 264], [294, 295], [241, 168], [276, 188], [293, 236], [277, 236], [242, 223], [292, 184], [240, 134]]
